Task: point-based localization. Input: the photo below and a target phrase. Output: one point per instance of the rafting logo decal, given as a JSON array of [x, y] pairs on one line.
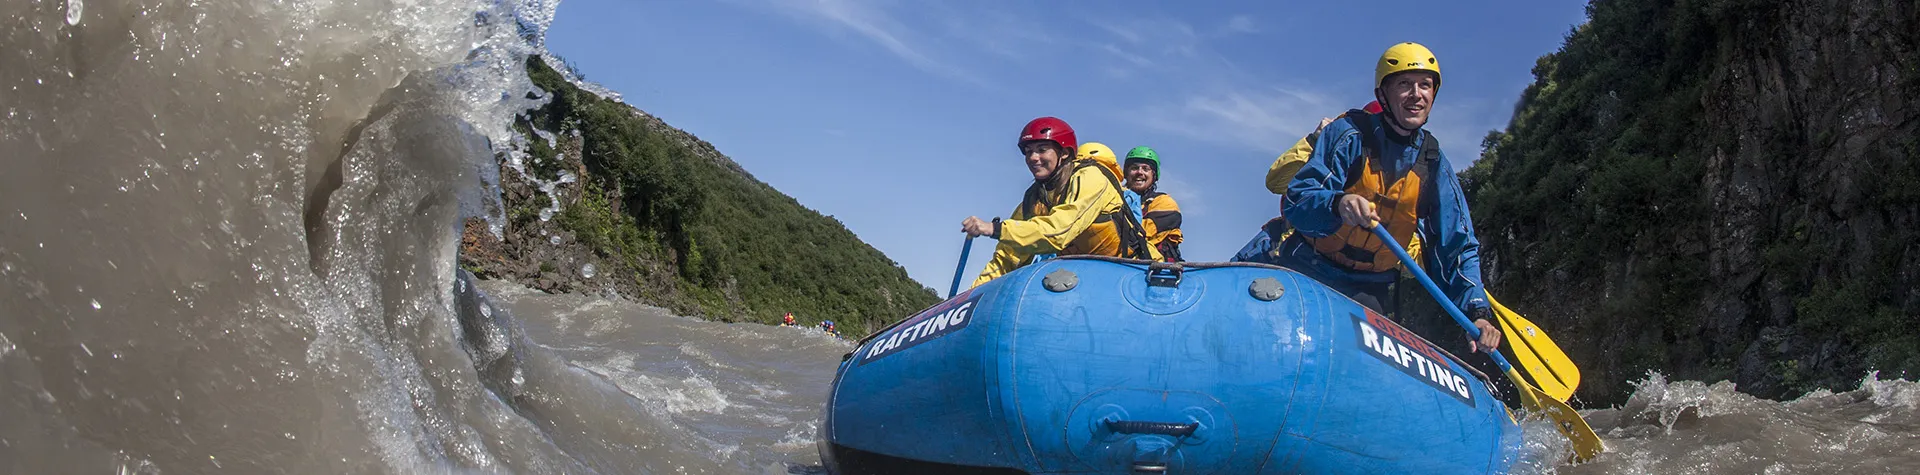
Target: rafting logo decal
[[948, 317], [1412, 355]]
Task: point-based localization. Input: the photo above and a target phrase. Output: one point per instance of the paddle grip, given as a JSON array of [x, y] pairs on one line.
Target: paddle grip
[[1438, 296], [965, 247]]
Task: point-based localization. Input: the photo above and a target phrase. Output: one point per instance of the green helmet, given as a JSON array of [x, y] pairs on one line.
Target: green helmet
[[1147, 154]]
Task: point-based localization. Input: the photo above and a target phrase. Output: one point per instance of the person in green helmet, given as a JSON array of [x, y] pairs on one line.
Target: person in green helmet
[[1159, 214]]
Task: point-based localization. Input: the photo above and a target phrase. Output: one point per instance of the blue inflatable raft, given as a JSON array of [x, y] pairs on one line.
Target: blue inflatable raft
[[1090, 365]]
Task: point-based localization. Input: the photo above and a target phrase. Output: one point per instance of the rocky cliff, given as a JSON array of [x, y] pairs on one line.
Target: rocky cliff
[[1716, 190]]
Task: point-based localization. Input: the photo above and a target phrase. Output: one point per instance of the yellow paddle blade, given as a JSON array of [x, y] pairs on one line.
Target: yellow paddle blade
[[1534, 352], [1586, 444]]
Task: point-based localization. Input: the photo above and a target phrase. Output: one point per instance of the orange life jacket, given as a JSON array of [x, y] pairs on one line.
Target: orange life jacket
[[1400, 202], [1112, 234]]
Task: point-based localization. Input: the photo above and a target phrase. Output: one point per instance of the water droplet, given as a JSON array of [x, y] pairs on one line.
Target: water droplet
[[587, 270], [289, 436], [96, 304], [6, 267], [74, 7], [554, 240], [486, 311], [545, 215]]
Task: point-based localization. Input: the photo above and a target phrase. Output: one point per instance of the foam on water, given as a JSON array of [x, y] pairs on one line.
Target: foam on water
[[1694, 427]]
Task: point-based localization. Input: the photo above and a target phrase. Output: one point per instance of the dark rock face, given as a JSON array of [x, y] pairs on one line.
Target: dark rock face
[[1819, 106], [1717, 190]]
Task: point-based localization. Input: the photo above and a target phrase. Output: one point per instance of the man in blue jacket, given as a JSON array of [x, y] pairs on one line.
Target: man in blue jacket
[[1384, 168]]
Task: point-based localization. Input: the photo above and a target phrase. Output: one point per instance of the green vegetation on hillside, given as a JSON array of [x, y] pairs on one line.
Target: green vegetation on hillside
[[1601, 166], [658, 198], [1666, 191]]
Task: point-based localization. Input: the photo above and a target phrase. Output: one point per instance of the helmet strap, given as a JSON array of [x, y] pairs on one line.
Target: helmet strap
[[1064, 163], [1392, 120]]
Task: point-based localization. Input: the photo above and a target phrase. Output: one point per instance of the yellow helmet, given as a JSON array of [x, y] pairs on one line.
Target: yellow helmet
[[1099, 152], [1405, 57]]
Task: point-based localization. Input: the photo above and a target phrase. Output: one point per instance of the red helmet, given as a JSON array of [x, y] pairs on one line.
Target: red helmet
[[1373, 107], [1049, 128]]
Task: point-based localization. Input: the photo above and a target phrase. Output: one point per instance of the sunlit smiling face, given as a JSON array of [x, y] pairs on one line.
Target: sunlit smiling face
[[1043, 157], [1408, 96], [1140, 176]]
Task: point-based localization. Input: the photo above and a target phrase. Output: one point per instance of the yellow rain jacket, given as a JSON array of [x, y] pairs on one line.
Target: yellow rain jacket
[[1076, 213]]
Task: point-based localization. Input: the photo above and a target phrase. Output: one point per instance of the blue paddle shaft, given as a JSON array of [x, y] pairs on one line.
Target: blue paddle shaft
[[965, 247], [1445, 303]]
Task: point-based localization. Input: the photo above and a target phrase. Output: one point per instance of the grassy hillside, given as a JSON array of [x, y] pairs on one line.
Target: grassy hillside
[[690, 229]]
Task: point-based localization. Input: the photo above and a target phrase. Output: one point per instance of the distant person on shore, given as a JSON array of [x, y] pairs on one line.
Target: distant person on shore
[[1160, 215], [787, 321], [1073, 207]]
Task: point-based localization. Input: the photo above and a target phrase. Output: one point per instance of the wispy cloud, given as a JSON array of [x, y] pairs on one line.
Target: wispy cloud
[[1128, 35], [874, 24], [1127, 56], [1192, 199], [1262, 119], [1000, 32], [1154, 36], [1240, 24], [1178, 49], [1196, 90]]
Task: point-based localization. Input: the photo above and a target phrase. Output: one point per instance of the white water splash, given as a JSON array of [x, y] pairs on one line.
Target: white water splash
[[1695, 427], [663, 396]]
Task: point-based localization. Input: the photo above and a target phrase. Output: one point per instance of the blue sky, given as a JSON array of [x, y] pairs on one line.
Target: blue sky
[[899, 117]]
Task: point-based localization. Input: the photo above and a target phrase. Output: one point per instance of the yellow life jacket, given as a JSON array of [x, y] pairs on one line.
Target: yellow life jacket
[[1399, 202], [1115, 234]]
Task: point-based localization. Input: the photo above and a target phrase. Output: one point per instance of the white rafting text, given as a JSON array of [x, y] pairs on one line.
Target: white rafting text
[[1411, 355]]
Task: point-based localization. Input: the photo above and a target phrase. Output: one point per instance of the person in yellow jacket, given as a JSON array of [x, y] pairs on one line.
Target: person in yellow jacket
[[1073, 207], [1160, 215]]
